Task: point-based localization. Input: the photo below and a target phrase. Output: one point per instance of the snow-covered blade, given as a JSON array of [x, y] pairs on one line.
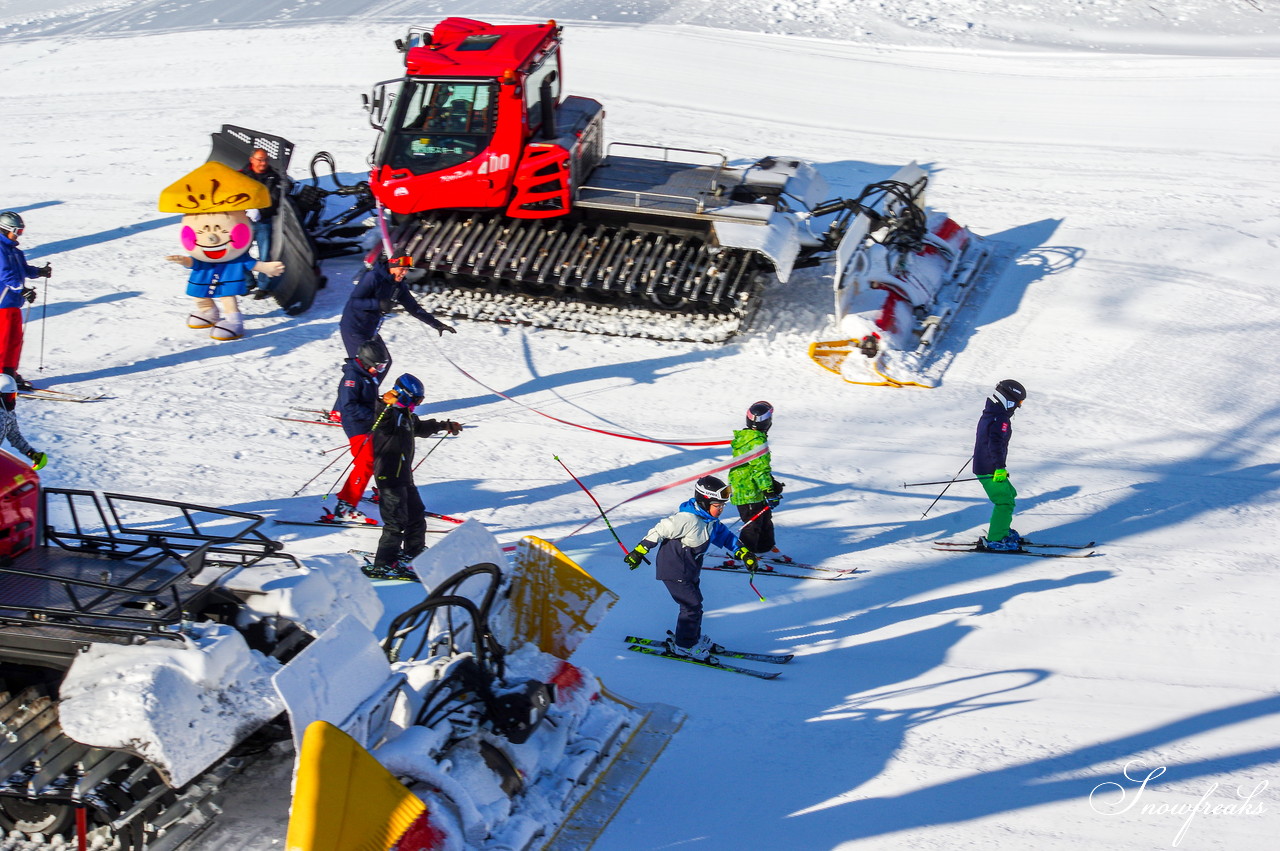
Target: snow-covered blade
[[503, 749], [902, 274]]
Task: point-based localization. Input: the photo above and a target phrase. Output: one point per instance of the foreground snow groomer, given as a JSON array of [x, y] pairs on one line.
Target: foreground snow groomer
[[150, 650], [504, 192]]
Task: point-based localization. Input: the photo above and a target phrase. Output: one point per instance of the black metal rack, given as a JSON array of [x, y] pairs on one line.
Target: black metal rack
[[120, 567]]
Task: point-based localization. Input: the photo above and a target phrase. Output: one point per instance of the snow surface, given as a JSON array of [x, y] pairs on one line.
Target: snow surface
[[1124, 153]]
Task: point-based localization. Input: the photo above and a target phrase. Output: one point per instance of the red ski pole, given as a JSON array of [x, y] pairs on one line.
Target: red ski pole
[[601, 510]]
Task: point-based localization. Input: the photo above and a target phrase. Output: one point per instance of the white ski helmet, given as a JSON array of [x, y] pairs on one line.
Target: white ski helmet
[[11, 221], [708, 490], [8, 384]]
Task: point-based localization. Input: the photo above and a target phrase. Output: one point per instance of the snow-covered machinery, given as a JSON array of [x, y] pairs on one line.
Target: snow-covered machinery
[[901, 275], [150, 649], [514, 209], [89, 604]]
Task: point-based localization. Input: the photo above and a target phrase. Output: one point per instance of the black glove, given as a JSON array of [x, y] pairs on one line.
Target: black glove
[[747, 557], [386, 305], [773, 495], [636, 556], [29, 293], [441, 327], [45, 271], [453, 427]]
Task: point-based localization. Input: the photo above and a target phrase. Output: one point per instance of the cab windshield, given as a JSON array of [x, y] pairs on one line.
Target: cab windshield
[[441, 123]]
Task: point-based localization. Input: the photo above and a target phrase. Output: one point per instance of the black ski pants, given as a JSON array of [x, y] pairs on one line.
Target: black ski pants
[[688, 595], [404, 523], [756, 535]]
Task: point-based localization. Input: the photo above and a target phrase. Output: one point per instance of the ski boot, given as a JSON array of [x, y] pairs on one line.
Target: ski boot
[[700, 652], [347, 514]]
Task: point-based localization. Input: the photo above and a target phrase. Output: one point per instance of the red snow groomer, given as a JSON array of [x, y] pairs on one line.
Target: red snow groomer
[[503, 190]]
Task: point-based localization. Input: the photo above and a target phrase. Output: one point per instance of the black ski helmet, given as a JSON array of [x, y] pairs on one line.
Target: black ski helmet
[[709, 489], [409, 391], [760, 416], [1011, 394], [373, 354], [11, 221]]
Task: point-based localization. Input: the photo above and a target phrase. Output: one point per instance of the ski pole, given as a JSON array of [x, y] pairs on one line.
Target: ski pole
[[944, 490], [429, 451], [343, 474], [751, 576], [316, 476], [597, 502], [44, 314], [943, 482]]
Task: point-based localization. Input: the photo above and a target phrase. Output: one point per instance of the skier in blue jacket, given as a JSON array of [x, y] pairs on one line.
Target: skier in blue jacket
[[15, 271], [376, 293], [358, 397], [990, 452], [684, 538]]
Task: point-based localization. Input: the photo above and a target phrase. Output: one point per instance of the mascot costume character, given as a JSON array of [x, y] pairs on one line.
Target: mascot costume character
[[216, 232]]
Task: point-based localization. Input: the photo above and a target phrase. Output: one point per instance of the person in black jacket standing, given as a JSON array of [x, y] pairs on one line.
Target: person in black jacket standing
[[404, 524], [990, 452]]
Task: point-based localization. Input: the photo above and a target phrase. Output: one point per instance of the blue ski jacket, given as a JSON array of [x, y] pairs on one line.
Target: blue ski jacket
[[685, 537], [358, 398], [373, 294], [14, 272], [991, 445]]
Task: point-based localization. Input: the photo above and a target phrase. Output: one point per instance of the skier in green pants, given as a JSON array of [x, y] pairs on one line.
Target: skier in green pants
[[990, 451]]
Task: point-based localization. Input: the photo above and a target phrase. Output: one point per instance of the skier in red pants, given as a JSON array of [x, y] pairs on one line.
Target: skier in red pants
[[358, 397], [14, 273]]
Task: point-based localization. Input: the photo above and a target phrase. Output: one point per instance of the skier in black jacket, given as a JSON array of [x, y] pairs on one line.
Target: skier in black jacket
[[404, 524], [990, 451], [376, 293]]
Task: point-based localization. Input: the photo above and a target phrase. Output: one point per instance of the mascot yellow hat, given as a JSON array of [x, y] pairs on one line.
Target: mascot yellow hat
[[214, 188]]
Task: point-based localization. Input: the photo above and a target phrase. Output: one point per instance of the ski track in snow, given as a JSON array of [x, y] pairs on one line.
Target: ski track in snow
[[1122, 153]]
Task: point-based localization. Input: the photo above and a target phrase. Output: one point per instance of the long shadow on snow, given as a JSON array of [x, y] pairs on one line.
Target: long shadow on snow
[[1042, 781], [266, 342], [1179, 493]]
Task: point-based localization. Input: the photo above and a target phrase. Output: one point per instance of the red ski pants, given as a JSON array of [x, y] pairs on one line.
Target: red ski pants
[[361, 469], [10, 338]]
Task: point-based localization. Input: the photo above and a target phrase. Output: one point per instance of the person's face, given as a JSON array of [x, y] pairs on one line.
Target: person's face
[[258, 162], [14, 234], [398, 272], [715, 509]]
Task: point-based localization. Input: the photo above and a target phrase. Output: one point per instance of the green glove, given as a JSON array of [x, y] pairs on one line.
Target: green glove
[[636, 556], [38, 459], [1001, 475], [747, 557]]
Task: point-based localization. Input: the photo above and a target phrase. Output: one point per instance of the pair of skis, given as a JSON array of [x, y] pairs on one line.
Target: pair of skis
[[1025, 548], [59, 395], [768, 566], [363, 524], [314, 416], [658, 647]]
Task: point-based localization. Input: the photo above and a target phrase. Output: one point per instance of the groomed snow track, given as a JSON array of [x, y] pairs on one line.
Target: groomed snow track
[[575, 276]]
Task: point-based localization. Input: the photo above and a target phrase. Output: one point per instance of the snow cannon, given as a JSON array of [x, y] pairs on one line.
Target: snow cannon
[[902, 274]]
